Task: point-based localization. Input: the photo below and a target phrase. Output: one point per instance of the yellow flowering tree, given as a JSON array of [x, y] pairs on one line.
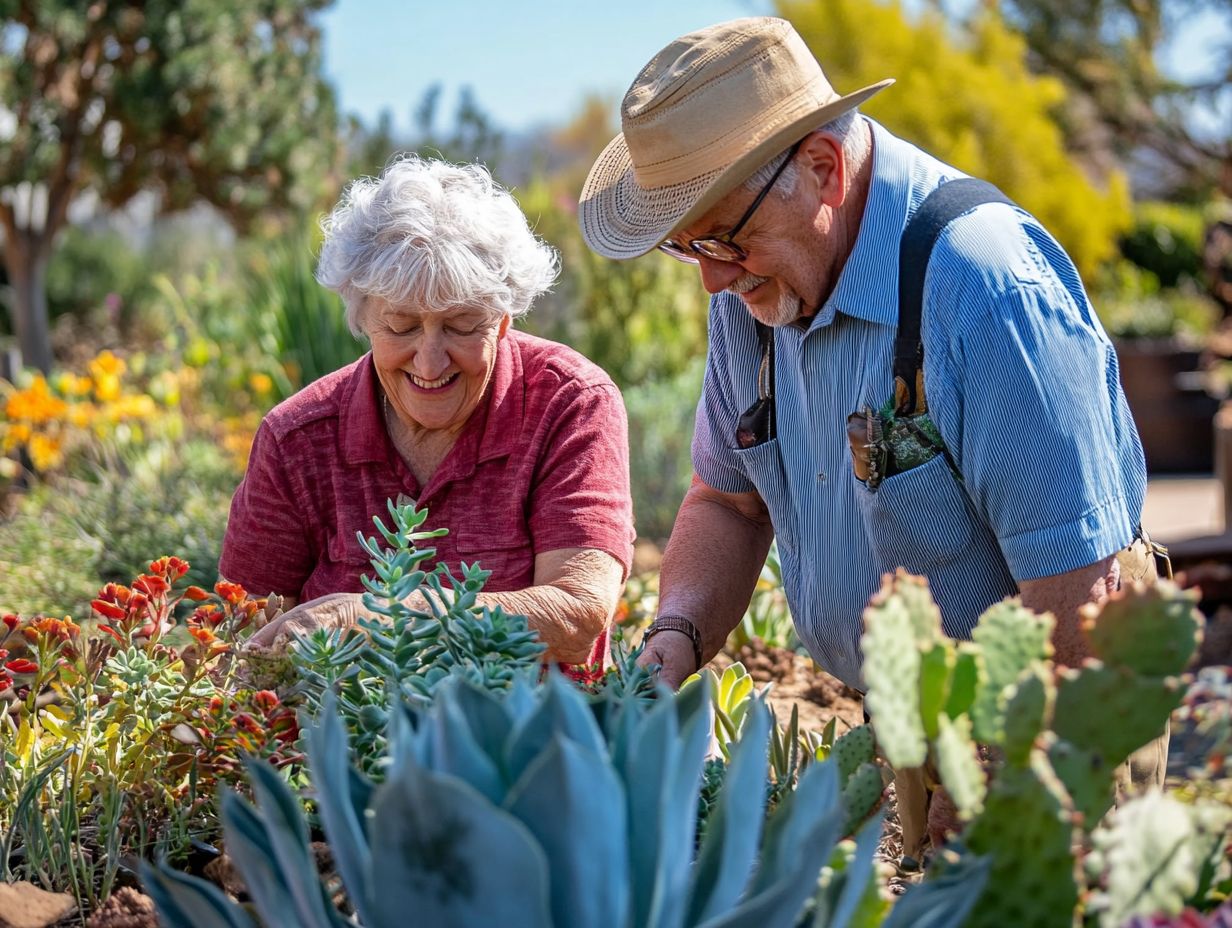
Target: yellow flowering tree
[[968, 97]]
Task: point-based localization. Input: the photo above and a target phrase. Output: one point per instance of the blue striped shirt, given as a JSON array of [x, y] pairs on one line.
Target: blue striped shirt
[[1022, 383]]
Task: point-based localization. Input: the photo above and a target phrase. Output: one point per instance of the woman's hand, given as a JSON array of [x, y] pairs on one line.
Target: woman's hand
[[334, 610]]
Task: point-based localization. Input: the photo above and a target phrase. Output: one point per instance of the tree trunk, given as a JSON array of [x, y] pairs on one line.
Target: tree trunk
[[27, 262]]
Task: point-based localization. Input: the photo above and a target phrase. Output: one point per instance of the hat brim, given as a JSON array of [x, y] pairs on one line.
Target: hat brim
[[620, 219]]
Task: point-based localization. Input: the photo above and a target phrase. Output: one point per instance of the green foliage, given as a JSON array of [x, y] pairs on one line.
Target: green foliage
[[91, 267], [1131, 304], [516, 808], [418, 643], [1166, 239], [641, 321], [201, 100], [1058, 732], [67, 537], [295, 319], [967, 95], [661, 414]]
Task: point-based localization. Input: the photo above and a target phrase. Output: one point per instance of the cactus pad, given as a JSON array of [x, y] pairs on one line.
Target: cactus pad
[[1087, 777], [936, 667], [861, 795], [853, 749], [1026, 713], [1149, 854], [959, 765], [1111, 710], [892, 674], [1011, 638], [1152, 630], [968, 668], [924, 614], [1027, 828]]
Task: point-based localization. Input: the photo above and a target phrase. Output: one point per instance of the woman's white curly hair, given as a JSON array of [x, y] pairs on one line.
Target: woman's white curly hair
[[434, 236]]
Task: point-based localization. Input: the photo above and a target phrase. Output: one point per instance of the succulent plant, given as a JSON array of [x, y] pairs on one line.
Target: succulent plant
[[516, 808], [1058, 734]]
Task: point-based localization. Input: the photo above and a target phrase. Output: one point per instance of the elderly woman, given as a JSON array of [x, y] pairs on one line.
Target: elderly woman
[[517, 445]]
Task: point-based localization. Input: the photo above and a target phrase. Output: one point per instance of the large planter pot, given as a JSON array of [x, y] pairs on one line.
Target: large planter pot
[[1174, 414]]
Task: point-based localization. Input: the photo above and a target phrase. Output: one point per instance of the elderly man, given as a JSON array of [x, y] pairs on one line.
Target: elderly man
[[1027, 477]]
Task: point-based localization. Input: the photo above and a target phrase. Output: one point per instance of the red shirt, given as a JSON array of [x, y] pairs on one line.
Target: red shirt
[[541, 464]]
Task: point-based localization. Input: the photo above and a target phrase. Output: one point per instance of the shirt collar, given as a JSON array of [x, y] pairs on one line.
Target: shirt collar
[[867, 287]]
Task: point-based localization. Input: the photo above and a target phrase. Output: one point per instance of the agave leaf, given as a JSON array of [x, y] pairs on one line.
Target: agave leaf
[[858, 873], [444, 855], [567, 791], [796, 846], [488, 716], [282, 894], [186, 901], [668, 749], [456, 751], [342, 795], [562, 709], [943, 901], [730, 846]]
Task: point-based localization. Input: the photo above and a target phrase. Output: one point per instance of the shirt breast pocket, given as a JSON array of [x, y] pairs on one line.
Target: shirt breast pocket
[[763, 465], [919, 519], [510, 558]]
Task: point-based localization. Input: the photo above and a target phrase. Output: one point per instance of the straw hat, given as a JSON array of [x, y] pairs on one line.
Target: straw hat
[[699, 120]]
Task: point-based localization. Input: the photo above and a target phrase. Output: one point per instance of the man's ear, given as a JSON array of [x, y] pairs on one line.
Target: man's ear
[[821, 154]]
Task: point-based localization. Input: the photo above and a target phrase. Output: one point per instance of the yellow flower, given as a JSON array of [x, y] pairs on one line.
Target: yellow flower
[[45, 452], [80, 415], [132, 406], [34, 404], [70, 384], [107, 364], [106, 387], [260, 383]]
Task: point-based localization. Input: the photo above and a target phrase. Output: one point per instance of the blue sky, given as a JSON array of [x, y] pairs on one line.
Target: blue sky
[[527, 61], [531, 62]]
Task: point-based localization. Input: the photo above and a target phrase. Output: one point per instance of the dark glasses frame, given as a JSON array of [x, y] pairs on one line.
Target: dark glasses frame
[[721, 247]]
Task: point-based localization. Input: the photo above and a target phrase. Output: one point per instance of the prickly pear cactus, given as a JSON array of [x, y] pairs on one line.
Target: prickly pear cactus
[[1151, 855], [1153, 631], [1058, 734], [852, 749], [861, 794], [958, 762], [1011, 639], [892, 671], [1027, 829]]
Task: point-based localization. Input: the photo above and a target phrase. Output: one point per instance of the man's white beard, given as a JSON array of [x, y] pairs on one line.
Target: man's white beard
[[784, 312]]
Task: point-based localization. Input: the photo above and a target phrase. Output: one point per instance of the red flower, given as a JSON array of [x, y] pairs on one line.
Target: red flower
[[196, 594], [266, 700], [151, 585], [170, 567], [231, 592], [209, 615], [108, 610], [21, 665], [11, 620]]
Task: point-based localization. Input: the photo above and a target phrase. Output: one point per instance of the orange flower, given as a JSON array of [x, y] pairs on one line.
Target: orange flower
[[151, 585], [231, 592], [108, 610], [196, 594], [266, 700], [170, 567]]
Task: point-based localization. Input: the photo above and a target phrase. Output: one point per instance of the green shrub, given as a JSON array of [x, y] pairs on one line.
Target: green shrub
[[1131, 304], [1166, 239], [661, 417], [69, 537]]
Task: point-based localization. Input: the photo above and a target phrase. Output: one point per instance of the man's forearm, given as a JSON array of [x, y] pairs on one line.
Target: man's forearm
[[716, 552], [1064, 595]]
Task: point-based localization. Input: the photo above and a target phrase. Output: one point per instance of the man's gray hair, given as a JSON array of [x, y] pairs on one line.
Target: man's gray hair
[[435, 236], [841, 127]]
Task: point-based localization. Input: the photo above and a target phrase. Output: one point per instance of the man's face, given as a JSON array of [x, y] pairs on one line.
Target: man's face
[[788, 268]]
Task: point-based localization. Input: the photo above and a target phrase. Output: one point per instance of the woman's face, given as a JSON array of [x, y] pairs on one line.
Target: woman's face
[[434, 366]]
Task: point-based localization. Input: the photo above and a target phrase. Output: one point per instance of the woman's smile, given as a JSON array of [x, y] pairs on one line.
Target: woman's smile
[[432, 386]]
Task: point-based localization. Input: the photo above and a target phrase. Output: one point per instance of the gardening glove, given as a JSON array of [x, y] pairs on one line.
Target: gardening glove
[[334, 610]]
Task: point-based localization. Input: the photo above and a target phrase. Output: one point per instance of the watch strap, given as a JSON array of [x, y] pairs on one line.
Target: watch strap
[[677, 623]]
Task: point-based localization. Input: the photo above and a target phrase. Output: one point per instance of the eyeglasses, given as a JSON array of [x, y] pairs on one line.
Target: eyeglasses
[[721, 247]]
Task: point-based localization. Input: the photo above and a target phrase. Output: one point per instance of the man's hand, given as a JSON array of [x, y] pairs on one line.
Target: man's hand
[[673, 653], [335, 610]]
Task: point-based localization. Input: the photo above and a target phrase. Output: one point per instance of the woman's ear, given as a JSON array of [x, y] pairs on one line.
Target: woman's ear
[[821, 154]]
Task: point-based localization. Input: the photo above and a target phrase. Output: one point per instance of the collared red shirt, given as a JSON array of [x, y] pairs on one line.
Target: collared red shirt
[[1022, 383], [541, 464]]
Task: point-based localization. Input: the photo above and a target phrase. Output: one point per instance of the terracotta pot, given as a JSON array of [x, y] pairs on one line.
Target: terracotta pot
[[1174, 414]]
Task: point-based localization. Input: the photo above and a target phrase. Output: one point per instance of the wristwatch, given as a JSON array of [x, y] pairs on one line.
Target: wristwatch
[[677, 623]]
